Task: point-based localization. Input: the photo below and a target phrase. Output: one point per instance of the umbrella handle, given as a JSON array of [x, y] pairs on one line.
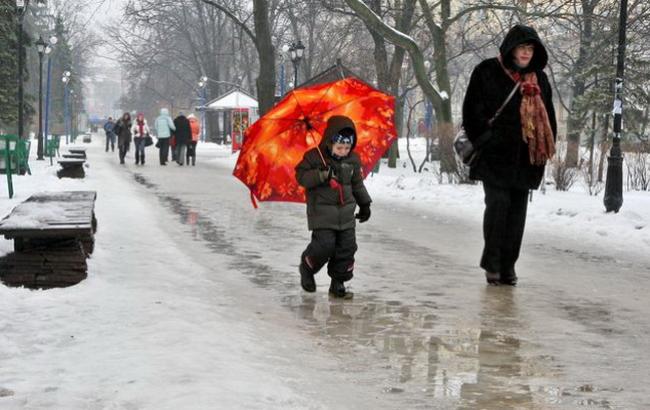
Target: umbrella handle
[[322, 158], [253, 201]]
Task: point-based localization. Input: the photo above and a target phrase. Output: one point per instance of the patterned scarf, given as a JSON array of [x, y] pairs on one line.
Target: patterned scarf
[[535, 125]]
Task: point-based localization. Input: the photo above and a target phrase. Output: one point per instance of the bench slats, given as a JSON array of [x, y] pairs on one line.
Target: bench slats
[[56, 214]]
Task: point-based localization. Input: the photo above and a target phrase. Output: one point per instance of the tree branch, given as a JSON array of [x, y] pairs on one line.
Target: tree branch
[[234, 18], [402, 40]]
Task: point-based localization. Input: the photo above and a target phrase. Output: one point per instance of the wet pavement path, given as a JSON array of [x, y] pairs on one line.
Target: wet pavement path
[[423, 329]]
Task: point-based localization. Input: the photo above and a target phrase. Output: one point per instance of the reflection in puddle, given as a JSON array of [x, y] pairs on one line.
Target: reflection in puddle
[[412, 348]]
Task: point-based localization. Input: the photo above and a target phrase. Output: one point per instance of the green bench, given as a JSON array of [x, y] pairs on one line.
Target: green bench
[[15, 152], [14, 158], [52, 146]]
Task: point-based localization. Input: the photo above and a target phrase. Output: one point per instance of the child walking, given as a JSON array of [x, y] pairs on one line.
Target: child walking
[[333, 179]]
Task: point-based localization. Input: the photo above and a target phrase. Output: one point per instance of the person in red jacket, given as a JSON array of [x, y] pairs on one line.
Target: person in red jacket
[[196, 131]]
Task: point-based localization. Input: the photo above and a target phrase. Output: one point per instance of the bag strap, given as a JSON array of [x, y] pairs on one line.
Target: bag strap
[[512, 93]]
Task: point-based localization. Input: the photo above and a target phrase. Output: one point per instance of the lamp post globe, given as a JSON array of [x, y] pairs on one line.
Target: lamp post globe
[[40, 45], [300, 50], [296, 51]]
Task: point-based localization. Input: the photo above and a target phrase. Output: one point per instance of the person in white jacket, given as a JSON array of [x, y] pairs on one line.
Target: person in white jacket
[[140, 131]]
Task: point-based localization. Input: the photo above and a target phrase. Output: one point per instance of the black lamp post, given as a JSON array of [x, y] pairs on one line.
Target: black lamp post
[[40, 46], [613, 198], [296, 51]]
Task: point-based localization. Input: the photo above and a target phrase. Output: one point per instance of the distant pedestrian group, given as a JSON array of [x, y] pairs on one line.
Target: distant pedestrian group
[[180, 135]]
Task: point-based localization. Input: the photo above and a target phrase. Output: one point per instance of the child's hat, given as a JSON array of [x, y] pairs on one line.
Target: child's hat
[[345, 136]]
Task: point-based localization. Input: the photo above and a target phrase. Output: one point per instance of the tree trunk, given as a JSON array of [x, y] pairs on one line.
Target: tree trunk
[[266, 79], [442, 107], [604, 144], [576, 117]]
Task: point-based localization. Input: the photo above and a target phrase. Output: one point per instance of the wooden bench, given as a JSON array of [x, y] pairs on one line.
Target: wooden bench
[[53, 235], [74, 156], [78, 151], [71, 168]]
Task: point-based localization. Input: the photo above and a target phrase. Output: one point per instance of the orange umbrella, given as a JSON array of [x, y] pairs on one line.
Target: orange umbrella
[[276, 143]]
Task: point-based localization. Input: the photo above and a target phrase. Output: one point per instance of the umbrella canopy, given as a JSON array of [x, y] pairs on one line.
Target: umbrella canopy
[[276, 143]]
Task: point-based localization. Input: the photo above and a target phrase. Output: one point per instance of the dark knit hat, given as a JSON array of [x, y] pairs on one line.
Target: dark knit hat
[[344, 136]]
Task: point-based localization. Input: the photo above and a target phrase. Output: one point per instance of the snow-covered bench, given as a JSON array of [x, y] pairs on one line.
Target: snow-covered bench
[[53, 234], [72, 168], [78, 151]]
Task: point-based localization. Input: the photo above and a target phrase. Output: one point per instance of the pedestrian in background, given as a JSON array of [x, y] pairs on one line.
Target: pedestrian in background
[[183, 136], [110, 135], [164, 127], [140, 131], [123, 131], [196, 131]]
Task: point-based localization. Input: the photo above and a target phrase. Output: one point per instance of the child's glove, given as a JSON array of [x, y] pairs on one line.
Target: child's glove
[[364, 213]]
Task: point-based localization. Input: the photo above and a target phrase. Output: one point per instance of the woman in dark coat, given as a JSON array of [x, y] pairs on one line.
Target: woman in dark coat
[[520, 142], [183, 136], [123, 131]]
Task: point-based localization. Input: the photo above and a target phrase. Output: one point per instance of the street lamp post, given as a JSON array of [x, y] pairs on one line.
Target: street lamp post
[[40, 46], [296, 51], [613, 198], [72, 99], [48, 50], [203, 85], [66, 81]]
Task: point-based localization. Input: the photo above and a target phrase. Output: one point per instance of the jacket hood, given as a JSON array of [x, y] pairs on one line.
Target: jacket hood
[[164, 111], [334, 125], [520, 34]]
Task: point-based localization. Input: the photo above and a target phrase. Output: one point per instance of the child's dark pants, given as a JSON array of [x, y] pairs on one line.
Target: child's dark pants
[[336, 248]]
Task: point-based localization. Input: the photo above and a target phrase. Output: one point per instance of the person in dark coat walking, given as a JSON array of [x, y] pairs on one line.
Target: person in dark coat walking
[[521, 140], [333, 179], [183, 136], [123, 131]]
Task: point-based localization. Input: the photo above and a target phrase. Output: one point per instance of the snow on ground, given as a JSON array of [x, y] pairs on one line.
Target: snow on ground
[[138, 333], [150, 328], [572, 215]]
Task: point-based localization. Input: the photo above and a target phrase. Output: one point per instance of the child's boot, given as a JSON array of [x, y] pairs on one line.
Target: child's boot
[[337, 288], [307, 279]]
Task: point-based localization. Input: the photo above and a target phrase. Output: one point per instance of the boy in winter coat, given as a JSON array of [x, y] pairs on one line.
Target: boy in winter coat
[[333, 179]]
